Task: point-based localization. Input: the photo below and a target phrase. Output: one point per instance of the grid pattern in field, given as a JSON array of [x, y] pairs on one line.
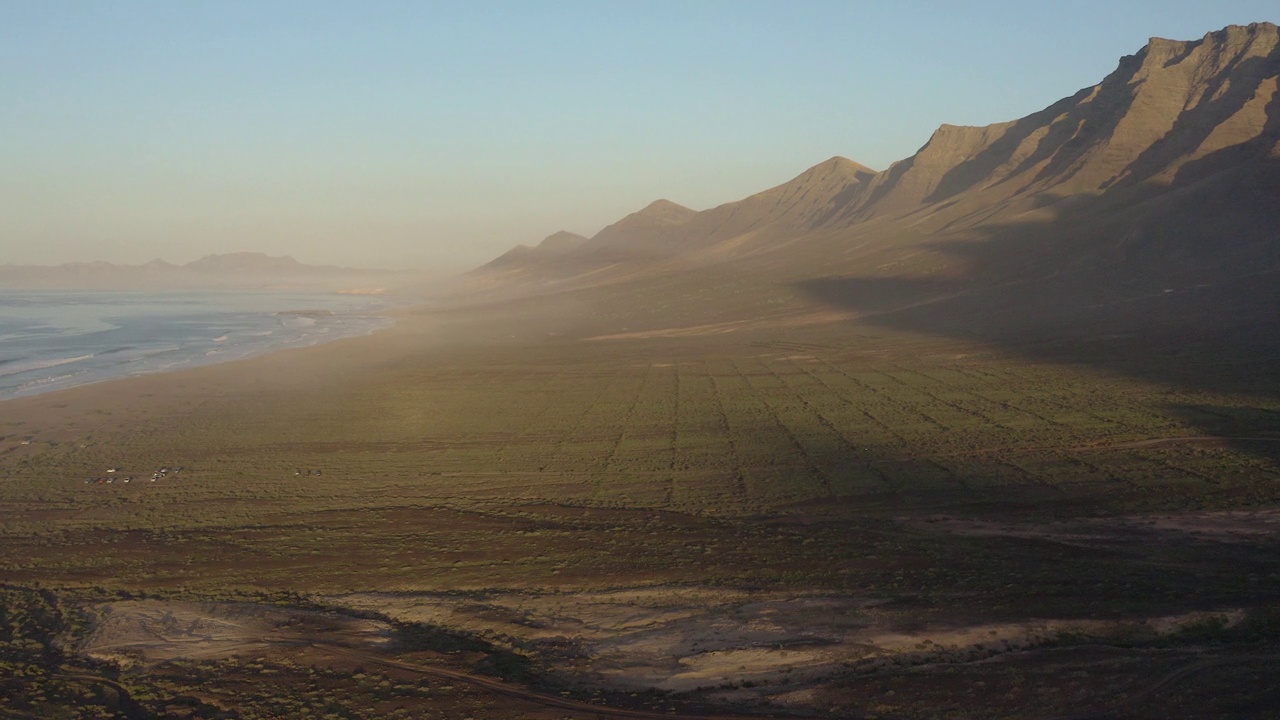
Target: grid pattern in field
[[615, 425]]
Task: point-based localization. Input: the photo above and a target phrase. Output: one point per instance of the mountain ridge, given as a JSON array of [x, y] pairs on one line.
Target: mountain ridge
[[1142, 122], [1172, 115], [664, 229]]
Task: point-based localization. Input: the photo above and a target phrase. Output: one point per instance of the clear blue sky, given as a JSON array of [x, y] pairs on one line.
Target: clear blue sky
[[438, 134]]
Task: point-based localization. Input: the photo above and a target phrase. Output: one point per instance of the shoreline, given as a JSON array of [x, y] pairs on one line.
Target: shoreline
[[97, 414], [83, 414], [370, 323]]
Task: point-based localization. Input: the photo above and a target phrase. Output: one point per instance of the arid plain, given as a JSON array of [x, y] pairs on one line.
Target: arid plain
[[808, 516]]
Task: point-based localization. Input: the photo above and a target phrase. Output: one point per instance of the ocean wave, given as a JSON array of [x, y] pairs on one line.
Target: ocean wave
[[33, 365], [51, 380], [6, 337], [156, 351], [116, 350]]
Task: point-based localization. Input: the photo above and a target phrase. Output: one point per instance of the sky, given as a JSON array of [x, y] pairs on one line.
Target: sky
[[436, 135]]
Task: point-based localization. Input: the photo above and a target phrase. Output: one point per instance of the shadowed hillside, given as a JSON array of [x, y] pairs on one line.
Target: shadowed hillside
[[1157, 250], [1163, 118]]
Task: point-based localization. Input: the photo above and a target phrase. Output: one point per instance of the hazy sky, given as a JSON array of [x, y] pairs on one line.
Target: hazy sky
[[438, 134]]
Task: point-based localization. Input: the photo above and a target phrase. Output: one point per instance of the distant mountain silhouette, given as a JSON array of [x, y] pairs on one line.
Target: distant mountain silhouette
[[251, 262], [248, 270], [553, 246]]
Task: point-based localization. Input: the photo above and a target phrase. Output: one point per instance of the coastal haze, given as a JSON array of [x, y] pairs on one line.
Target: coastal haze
[[990, 431], [229, 271]]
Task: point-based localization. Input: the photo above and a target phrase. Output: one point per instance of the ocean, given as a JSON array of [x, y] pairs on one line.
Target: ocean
[[50, 340]]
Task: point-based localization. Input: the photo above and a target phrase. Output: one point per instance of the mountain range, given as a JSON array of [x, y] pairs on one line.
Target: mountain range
[[242, 270], [1162, 179]]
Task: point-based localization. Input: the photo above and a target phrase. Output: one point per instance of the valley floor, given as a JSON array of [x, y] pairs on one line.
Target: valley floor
[[819, 517]]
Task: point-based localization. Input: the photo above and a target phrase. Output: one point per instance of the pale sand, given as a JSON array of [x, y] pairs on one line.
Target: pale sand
[[681, 638], [152, 631]]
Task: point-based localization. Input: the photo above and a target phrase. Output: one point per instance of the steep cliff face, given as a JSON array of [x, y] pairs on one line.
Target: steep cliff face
[[1172, 114], [909, 184]]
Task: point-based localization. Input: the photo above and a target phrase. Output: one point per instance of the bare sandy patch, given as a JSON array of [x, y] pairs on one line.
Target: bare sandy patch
[[690, 638], [732, 645], [151, 631]]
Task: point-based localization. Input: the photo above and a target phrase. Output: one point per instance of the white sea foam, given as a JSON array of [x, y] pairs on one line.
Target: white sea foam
[[33, 365]]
